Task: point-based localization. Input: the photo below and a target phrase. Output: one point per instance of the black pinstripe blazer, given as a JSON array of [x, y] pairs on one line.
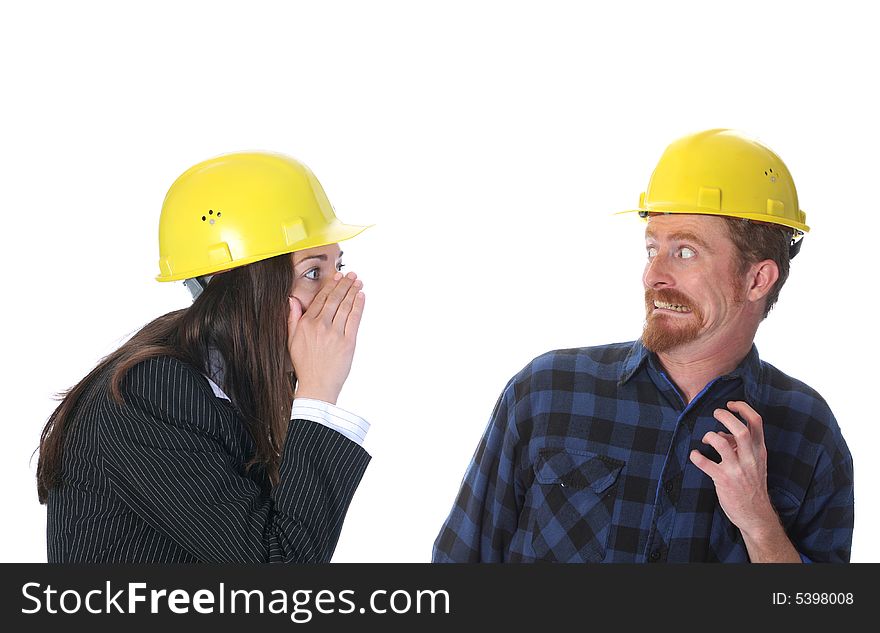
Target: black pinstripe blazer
[[162, 479]]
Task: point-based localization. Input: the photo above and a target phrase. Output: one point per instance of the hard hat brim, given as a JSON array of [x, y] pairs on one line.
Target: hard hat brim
[[333, 233], [757, 217]]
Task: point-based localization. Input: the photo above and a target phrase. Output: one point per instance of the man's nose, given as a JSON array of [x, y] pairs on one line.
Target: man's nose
[[657, 274]]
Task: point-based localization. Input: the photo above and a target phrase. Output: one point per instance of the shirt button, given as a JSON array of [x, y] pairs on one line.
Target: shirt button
[[655, 555], [669, 486]]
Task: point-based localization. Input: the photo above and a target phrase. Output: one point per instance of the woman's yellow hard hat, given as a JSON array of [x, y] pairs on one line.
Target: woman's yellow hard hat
[[240, 208]]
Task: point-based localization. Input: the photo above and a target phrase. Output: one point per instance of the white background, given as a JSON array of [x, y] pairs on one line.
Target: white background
[[489, 142]]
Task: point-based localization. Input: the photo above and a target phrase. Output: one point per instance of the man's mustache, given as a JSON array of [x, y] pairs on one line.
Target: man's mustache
[[667, 296]]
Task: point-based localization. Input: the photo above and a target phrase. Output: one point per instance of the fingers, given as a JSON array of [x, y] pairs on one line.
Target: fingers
[[739, 430], [354, 318], [321, 298], [345, 306], [336, 297], [705, 464], [730, 439], [295, 315], [721, 445], [754, 420], [743, 446]]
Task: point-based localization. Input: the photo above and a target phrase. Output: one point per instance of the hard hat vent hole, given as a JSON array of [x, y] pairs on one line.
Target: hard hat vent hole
[[203, 218]]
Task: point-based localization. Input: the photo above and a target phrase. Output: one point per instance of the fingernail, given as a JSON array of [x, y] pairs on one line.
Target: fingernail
[[337, 276]]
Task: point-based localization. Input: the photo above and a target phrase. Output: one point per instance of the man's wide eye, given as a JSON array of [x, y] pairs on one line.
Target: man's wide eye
[[686, 253]]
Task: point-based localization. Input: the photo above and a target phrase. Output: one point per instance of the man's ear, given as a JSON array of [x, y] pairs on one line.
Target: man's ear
[[762, 277]]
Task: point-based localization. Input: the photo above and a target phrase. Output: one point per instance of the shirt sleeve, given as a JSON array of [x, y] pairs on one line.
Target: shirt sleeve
[[483, 519], [350, 425], [824, 528], [167, 455]]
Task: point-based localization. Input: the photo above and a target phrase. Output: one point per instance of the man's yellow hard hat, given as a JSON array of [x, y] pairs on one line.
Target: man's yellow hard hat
[[723, 172], [240, 208]]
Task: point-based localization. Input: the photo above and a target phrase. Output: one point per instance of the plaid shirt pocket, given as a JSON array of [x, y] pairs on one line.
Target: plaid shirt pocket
[[572, 500]]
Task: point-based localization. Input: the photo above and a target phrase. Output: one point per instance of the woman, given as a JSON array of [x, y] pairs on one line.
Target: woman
[[187, 444]]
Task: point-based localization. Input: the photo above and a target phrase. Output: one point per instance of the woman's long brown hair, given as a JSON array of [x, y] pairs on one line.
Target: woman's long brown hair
[[243, 314]]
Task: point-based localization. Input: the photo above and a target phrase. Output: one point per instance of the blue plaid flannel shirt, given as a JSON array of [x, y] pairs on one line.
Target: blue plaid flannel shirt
[[585, 459]]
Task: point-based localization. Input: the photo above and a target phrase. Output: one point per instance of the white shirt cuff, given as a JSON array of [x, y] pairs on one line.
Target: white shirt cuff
[[351, 426]]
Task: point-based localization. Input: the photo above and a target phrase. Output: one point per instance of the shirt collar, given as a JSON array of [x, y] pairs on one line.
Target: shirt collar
[[216, 370], [637, 356], [749, 368]]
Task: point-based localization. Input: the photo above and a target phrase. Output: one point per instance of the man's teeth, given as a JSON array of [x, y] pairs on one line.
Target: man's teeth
[[671, 306]]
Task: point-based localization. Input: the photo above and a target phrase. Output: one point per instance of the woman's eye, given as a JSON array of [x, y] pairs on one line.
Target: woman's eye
[[686, 253], [313, 274]]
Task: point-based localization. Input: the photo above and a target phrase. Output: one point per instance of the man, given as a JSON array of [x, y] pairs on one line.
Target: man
[[684, 445]]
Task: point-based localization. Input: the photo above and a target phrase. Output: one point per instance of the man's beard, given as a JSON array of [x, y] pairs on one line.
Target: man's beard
[[664, 332]]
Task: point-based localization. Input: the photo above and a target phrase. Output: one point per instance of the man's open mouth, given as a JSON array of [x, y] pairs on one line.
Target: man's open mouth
[[671, 306]]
